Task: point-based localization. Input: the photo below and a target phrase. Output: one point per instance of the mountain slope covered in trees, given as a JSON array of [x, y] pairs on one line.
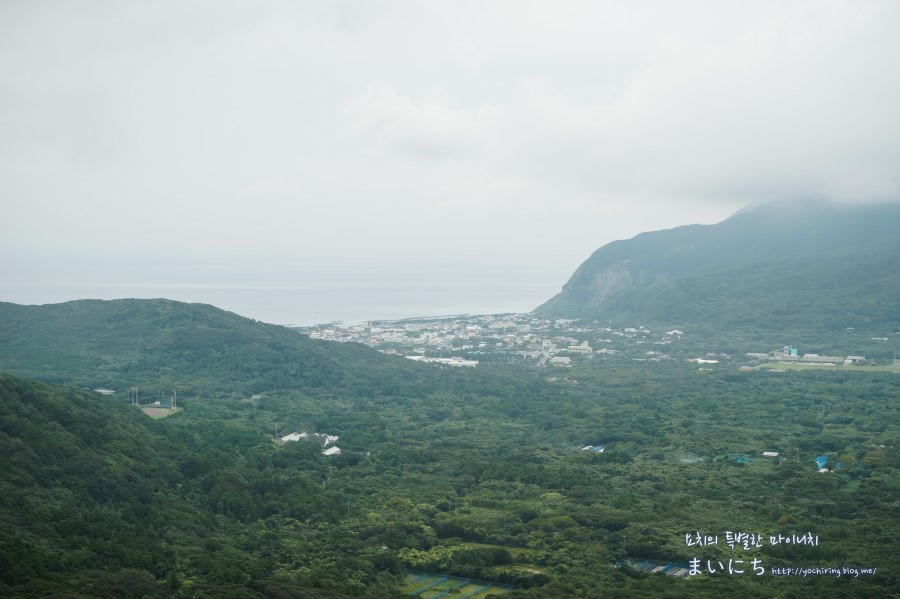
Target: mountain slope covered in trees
[[165, 344], [97, 500], [799, 265]]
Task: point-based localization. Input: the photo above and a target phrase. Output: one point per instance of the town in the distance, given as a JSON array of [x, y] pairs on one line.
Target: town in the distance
[[467, 340]]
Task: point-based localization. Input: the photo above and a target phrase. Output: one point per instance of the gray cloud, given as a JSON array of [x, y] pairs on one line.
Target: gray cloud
[[430, 128], [366, 136]]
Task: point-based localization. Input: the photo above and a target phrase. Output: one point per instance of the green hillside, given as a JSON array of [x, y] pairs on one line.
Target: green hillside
[[96, 500], [164, 344], [812, 295], [796, 266]]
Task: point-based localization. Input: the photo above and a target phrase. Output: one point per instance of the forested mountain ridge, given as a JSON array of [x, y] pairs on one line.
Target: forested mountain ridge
[[66, 454], [120, 343], [97, 500], [778, 265]]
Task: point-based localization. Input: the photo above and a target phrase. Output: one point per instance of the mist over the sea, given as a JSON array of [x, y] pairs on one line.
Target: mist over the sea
[[321, 299]]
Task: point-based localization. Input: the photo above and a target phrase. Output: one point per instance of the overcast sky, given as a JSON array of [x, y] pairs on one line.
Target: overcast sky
[[232, 142]]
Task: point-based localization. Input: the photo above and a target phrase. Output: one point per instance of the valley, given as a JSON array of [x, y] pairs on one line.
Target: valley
[[473, 473]]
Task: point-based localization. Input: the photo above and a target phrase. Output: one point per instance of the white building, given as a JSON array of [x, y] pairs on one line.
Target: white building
[[320, 438], [455, 361], [583, 348]]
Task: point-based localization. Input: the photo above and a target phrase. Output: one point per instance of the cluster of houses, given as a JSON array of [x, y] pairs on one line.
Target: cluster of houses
[[558, 342], [789, 353]]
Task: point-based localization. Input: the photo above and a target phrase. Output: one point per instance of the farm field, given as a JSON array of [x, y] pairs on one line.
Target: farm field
[[433, 586], [159, 413]]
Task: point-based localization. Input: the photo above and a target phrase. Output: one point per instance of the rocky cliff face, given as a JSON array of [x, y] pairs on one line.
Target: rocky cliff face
[[608, 281]]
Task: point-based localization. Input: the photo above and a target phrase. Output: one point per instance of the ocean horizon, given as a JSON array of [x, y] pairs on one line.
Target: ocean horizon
[[307, 305]]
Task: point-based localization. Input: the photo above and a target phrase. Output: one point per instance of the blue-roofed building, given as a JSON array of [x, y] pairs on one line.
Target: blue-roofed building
[[821, 461]]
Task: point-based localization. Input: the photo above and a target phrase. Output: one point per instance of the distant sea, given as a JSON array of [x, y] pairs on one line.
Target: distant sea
[[306, 305]]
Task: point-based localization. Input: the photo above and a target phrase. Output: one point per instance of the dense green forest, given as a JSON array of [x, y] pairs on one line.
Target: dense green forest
[[478, 474], [163, 344]]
